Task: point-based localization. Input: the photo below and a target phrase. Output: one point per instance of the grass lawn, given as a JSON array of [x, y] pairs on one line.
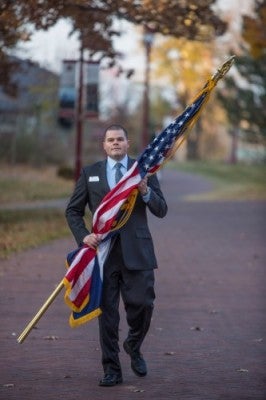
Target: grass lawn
[[22, 229], [23, 183], [231, 182]]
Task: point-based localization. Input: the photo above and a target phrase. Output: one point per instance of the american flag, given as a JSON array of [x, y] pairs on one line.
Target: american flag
[[83, 280]]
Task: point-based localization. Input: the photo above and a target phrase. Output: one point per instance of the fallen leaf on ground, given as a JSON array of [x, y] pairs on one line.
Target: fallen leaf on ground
[[52, 337], [196, 328]]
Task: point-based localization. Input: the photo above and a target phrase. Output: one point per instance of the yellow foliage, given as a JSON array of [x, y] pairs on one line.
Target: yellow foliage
[[183, 64], [254, 32]]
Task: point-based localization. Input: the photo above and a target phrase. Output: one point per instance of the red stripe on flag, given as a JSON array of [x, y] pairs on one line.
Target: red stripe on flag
[[79, 300], [121, 183], [107, 207], [73, 274]]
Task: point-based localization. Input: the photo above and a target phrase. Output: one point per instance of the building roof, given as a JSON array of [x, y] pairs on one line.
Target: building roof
[[32, 83]]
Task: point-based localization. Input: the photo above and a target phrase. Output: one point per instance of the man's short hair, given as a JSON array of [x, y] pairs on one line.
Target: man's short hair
[[115, 127]]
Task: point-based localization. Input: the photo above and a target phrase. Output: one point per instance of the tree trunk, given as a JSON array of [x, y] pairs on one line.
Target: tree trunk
[[193, 142]]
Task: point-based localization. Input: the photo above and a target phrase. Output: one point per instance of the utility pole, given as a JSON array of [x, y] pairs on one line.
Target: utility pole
[[148, 41], [79, 115]]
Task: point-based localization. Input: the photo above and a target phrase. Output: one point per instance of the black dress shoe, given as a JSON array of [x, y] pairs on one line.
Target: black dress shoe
[[138, 363], [111, 380]]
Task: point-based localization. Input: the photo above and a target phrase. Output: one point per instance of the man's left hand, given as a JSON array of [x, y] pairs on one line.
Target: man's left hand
[[143, 188]]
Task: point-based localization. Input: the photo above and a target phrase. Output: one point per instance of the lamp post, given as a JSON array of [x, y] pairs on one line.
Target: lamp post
[[79, 116], [148, 41]]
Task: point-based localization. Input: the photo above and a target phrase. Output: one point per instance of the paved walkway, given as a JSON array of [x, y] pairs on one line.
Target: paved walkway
[[207, 339]]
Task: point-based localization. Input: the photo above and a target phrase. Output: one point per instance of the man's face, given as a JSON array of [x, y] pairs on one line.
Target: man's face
[[116, 144]]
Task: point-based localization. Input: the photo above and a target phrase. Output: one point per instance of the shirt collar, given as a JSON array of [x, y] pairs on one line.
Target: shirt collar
[[111, 162]]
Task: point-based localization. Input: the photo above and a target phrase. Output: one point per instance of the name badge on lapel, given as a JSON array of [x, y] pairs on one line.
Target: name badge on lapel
[[94, 179]]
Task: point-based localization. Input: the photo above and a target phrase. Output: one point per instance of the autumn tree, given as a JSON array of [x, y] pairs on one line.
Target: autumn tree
[[254, 30], [244, 96], [184, 66], [93, 19]]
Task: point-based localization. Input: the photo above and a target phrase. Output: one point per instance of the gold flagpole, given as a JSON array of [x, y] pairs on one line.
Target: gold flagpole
[[39, 314]]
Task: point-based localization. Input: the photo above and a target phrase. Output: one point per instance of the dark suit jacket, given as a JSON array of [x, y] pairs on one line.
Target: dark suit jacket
[[136, 241]]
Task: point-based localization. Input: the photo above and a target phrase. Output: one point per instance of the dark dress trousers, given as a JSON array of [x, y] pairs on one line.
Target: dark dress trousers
[[129, 266]]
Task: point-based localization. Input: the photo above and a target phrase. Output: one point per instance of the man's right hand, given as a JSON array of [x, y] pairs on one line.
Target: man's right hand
[[92, 240]]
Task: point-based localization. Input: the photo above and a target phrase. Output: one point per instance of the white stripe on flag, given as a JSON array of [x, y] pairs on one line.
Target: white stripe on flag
[[129, 183], [82, 280], [76, 260]]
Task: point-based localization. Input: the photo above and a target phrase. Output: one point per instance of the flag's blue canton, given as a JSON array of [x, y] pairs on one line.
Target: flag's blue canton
[[159, 147]]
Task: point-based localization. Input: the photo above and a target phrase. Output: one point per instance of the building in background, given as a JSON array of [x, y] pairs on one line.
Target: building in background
[[30, 115]]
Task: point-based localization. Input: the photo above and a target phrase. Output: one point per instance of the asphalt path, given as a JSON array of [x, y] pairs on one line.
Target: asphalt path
[[207, 337]]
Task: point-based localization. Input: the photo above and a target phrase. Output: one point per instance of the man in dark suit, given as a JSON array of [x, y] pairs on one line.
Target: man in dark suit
[[129, 267]]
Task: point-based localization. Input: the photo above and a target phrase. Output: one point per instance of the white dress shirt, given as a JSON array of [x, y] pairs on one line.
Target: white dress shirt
[[111, 170]]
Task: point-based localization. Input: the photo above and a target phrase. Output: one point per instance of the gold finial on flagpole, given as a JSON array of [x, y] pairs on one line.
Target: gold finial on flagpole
[[223, 69]]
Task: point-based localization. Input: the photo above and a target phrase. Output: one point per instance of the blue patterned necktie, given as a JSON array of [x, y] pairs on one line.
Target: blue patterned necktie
[[118, 173]]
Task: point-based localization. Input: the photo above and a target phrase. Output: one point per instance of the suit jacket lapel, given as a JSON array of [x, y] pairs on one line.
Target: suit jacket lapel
[[103, 176], [130, 162]]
